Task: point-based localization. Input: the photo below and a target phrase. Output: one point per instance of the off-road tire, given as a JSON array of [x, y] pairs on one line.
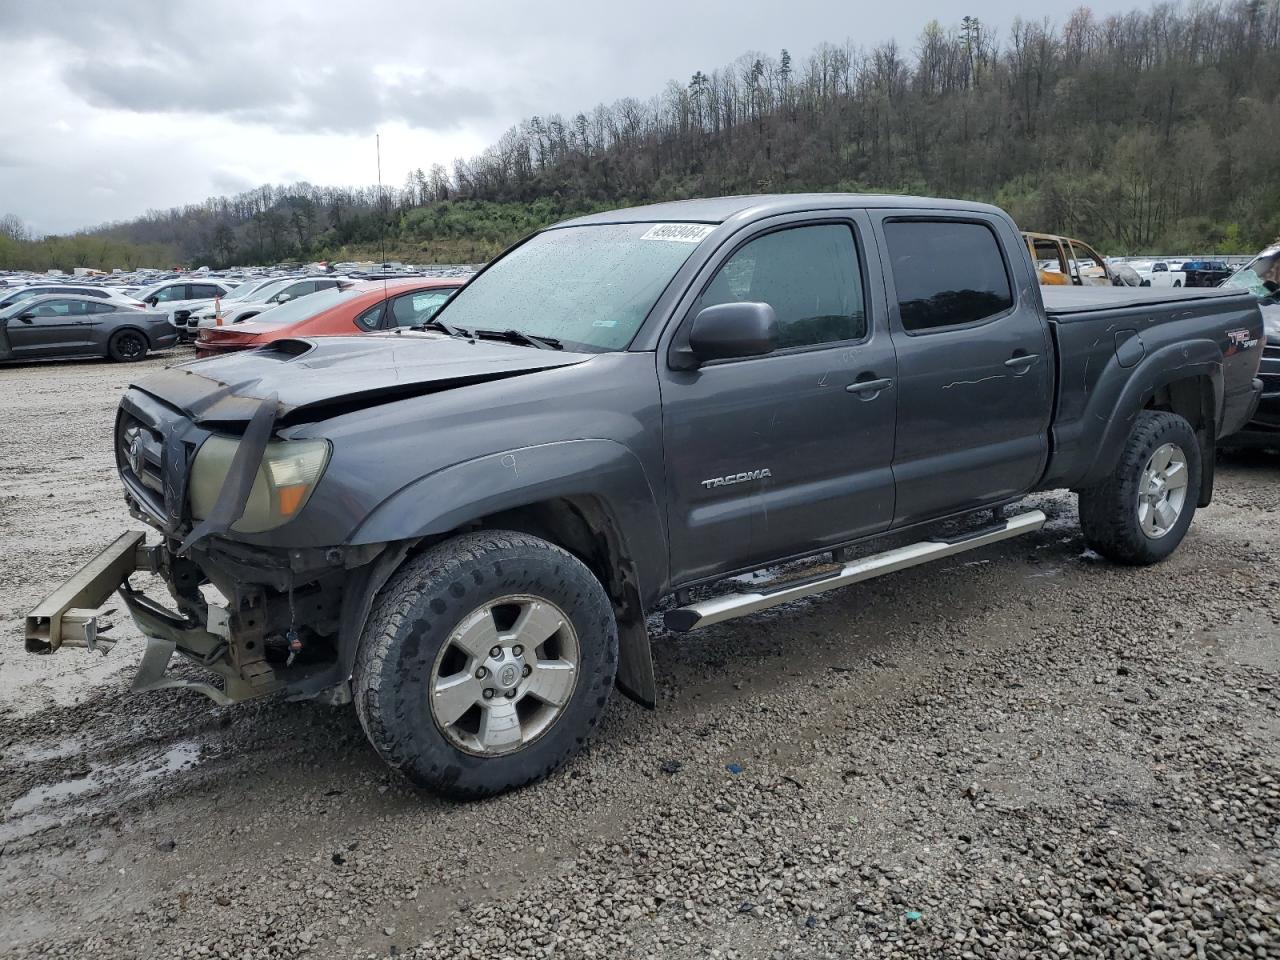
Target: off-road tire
[[1108, 511], [128, 346], [414, 615]]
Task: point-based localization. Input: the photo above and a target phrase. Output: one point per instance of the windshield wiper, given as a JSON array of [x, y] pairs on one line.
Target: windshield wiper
[[518, 336], [446, 328]]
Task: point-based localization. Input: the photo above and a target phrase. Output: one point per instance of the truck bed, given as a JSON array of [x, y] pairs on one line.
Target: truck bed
[[1113, 340], [1064, 301]]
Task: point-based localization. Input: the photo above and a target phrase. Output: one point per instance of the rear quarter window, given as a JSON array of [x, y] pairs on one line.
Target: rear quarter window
[[947, 273]]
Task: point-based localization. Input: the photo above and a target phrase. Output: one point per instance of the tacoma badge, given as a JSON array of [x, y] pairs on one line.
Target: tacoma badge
[[737, 478]]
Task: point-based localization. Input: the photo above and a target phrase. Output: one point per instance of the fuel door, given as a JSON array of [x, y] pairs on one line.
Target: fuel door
[[1129, 347]]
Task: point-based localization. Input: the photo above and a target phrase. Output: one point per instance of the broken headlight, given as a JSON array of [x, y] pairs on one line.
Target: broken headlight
[[289, 471], [1271, 324]]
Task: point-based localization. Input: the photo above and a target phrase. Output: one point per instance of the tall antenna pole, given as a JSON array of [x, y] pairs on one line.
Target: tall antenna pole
[[382, 212]]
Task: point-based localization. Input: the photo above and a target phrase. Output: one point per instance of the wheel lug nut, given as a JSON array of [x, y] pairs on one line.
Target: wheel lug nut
[[527, 669], [495, 653], [481, 673], [517, 650], [511, 694], [488, 693]]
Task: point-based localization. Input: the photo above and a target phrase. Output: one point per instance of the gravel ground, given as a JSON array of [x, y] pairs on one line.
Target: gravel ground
[[1021, 752]]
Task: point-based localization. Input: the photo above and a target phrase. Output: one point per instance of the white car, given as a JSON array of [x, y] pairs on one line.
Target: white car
[[160, 295], [173, 297], [1161, 273], [180, 311], [266, 296]]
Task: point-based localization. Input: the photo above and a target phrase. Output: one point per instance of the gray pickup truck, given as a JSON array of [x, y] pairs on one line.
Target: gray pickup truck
[[464, 528]]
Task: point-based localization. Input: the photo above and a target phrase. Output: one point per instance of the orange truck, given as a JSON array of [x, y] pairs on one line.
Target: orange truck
[[1062, 261]]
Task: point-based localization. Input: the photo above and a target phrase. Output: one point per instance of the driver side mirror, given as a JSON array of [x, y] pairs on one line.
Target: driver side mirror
[[27, 317], [730, 330], [283, 298]]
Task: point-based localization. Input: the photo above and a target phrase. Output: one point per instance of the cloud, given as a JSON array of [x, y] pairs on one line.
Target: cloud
[[340, 99]]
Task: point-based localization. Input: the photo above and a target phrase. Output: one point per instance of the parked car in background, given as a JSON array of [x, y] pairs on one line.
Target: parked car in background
[[182, 289], [269, 295], [1160, 273], [62, 326], [76, 289], [1062, 261], [242, 292], [1205, 273], [360, 308], [1261, 277]]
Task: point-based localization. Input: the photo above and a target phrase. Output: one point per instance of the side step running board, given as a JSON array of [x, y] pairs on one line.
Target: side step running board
[[718, 609]]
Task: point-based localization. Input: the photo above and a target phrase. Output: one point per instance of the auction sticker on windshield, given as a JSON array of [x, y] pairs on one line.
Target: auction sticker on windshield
[[679, 232]]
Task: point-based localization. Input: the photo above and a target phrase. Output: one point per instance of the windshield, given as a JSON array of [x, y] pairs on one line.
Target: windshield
[[304, 307], [268, 290], [589, 287], [16, 307], [243, 290], [1261, 276], [154, 288], [24, 294]]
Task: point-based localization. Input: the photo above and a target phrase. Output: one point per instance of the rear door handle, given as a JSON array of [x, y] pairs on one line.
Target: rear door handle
[[869, 386], [1023, 360]]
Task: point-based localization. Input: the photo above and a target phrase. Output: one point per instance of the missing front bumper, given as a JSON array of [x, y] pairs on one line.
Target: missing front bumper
[[69, 617]]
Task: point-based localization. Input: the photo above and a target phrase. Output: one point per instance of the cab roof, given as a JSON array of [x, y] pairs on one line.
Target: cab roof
[[754, 206]]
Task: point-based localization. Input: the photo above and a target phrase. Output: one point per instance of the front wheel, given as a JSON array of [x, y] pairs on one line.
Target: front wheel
[[126, 346], [1140, 513], [486, 662]]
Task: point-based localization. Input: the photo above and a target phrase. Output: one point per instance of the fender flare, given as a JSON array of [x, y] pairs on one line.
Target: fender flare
[[603, 471], [1166, 365]]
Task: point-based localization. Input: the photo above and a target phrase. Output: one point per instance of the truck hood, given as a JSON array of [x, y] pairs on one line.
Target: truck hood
[[311, 379]]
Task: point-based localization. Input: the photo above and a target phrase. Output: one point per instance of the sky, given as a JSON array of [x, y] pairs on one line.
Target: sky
[[113, 108]]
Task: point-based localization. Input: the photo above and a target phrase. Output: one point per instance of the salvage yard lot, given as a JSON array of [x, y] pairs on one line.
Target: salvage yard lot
[[1025, 751]]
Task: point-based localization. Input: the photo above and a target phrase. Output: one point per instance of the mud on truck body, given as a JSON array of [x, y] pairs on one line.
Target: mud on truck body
[[463, 528]]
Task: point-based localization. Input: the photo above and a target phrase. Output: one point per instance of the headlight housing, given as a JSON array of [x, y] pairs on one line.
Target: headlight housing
[[289, 472], [1271, 326]]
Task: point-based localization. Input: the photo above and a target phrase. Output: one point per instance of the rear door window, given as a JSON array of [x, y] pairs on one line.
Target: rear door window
[[947, 273]]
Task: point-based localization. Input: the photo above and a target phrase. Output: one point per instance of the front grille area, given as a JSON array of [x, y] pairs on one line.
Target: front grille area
[[140, 458]]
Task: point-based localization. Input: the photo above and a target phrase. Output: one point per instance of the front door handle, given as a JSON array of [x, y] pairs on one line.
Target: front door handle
[[1022, 360], [869, 386]]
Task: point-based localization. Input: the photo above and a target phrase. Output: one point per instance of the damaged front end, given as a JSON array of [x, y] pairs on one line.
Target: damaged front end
[[279, 628], [261, 619], [256, 509]]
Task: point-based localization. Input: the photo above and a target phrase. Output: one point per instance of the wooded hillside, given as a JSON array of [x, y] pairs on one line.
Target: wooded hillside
[[1152, 130]]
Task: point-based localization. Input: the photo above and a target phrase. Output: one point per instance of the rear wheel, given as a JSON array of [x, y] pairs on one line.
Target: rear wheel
[[485, 664], [127, 346], [1142, 511]]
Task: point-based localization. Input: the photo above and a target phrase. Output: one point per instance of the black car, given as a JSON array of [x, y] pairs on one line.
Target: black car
[[1205, 273]]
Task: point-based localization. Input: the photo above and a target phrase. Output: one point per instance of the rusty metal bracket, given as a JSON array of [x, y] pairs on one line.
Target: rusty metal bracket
[[68, 616]]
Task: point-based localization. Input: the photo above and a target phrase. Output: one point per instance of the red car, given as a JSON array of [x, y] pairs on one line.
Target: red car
[[362, 308]]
